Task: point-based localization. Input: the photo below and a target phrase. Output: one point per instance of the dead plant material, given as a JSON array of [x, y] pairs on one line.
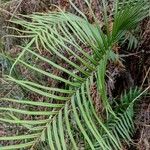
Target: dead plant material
[[97, 100], [142, 135], [64, 4]]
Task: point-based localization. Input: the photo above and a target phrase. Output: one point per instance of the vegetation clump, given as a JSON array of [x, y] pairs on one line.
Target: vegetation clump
[[62, 73]]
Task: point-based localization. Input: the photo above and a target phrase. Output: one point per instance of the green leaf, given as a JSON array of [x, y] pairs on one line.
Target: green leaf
[[70, 120]]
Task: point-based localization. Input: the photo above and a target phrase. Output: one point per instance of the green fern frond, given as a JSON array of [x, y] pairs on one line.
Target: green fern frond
[[69, 119]]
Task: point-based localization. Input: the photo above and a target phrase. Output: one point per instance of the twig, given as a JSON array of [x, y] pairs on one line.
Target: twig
[[7, 12], [145, 76], [128, 55], [16, 9]]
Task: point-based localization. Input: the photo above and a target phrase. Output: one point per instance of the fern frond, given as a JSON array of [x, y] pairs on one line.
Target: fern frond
[[68, 110]]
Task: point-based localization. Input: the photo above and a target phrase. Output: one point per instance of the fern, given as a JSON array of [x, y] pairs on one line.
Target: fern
[[69, 120]]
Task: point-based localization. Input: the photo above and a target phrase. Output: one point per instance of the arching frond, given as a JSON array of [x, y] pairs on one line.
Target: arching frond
[[67, 118]]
